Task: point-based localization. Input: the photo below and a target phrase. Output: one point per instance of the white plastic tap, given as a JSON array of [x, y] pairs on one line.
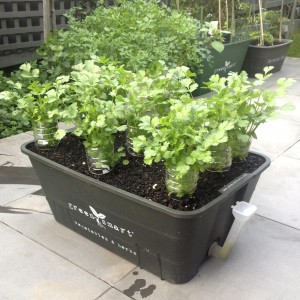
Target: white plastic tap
[[242, 212]]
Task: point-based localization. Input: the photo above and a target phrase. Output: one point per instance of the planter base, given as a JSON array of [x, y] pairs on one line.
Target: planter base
[[169, 243]]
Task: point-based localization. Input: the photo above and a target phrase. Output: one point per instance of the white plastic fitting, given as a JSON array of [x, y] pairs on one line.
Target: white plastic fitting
[[242, 212]]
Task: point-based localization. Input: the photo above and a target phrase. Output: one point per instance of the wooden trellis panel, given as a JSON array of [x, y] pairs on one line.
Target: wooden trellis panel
[[21, 27]]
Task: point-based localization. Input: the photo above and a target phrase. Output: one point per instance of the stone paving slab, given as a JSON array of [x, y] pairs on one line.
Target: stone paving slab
[[277, 193], [31, 204], [294, 89], [10, 153], [113, 294], [29, 271], [290, 69], [42, 228], [276, 136], [291, 114], [18, 175], [11, 192], [264, 264], [293, 151], [17, 182]]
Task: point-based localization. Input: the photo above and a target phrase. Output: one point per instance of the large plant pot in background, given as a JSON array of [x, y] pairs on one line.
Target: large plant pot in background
[[169, 243], [259, 57], [231, 59]]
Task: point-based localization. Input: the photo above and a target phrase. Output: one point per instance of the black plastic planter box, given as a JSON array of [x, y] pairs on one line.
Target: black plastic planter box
[[171, 244], [258, 57], [231, 59]]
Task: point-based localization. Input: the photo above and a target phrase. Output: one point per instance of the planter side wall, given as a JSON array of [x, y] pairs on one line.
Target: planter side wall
[[259, 57], [168, 243], [231, 59]]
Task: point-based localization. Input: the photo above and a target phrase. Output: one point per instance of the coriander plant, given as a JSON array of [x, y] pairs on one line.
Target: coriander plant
[[12, 88], [98, 117], [98, 128], [182, 140], [44, 101], [150, 92], [251, 104], [42, 107]]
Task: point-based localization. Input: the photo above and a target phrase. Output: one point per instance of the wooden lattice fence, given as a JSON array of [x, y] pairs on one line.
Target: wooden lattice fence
[[22, 26]]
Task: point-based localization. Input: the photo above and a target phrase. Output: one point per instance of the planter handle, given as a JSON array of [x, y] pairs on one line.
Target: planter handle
[[242, 212]]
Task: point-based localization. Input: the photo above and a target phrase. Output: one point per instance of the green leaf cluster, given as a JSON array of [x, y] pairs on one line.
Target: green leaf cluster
[[209, 11], [94, 87], [44, 101], [12, 88], [135, 34], [149, 92], [181, 138], [247, 103]]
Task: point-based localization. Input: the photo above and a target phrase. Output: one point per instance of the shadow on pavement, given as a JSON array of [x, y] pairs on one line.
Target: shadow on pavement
[[18, 175]]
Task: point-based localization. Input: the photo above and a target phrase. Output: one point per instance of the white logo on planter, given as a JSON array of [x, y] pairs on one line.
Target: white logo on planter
[[101, 219], [274, 60], [98, 216], [228, 65], [105, 238]]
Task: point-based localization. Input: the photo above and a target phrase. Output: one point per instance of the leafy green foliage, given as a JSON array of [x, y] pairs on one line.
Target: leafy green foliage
[[94, 111], [136, 34], [273, 23], [149, 92], [273, 18], [98, 125], [12, 88], [181, 138], [207, 11], [43, 103], [133, 33], [247, 102], [268, 38]]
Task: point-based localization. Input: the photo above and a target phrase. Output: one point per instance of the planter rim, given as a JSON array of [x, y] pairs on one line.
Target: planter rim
[[228, 189], [283, 43]]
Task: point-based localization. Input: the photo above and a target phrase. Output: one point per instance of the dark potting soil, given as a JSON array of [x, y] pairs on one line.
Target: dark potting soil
[[148, 181]]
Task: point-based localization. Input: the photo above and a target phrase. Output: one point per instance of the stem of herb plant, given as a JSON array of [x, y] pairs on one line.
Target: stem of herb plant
[[220, 15], [280, 21], [227, 13], [232, 20], [262, 42], [201, 14]]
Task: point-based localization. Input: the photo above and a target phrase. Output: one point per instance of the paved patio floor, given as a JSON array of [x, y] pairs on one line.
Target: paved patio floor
[[41, 259]]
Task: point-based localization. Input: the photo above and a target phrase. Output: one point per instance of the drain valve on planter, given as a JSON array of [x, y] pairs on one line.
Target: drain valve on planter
[[242, 212]]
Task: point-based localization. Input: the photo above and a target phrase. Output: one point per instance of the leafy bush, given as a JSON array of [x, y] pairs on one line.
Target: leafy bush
[[10, 124], [135, 34], [12, 89]]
